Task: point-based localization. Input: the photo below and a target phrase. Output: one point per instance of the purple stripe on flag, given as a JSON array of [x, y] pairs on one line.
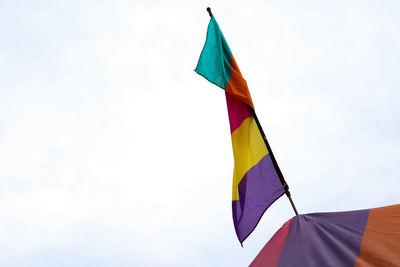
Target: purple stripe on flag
[[324, 239], [258, 189]]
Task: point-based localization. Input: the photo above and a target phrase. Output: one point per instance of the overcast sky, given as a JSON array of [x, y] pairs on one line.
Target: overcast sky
[[113, 152]]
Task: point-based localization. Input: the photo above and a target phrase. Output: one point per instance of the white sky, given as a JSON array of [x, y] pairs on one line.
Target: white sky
[[114, 152]]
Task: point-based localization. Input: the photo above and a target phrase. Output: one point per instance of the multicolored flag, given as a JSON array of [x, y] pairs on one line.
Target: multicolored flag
[[257, 180], [353, 238]]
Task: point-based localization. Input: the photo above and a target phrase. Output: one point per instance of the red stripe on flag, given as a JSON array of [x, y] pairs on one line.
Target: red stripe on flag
[[238, 111]]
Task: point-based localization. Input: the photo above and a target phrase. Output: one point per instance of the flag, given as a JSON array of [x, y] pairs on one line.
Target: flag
[[257, 180], [354, 238]]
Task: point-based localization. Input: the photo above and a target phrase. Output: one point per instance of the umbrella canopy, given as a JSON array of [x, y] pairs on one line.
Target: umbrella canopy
[[352, 238]]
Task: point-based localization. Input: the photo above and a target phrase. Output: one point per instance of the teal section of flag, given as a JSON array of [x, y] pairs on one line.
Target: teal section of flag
[[215, 57]]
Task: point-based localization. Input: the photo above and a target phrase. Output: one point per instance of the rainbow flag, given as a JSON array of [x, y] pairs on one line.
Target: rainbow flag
[[352, 238], [257, 181]]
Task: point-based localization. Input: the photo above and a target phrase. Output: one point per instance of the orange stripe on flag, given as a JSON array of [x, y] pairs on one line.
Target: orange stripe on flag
[[237, 85]]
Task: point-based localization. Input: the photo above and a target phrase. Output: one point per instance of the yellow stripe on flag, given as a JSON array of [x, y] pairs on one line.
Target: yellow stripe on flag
[[248, 149]]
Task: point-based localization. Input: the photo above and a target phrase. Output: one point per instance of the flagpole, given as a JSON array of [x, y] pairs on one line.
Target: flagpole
[[276, 166], [209, 11], [280, 175]]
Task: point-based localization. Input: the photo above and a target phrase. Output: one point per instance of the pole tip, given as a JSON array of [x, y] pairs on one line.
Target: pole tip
[[209, 11]]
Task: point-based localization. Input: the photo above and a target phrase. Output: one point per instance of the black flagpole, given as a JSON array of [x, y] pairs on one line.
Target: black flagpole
[[209, 11], [276, 166]]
